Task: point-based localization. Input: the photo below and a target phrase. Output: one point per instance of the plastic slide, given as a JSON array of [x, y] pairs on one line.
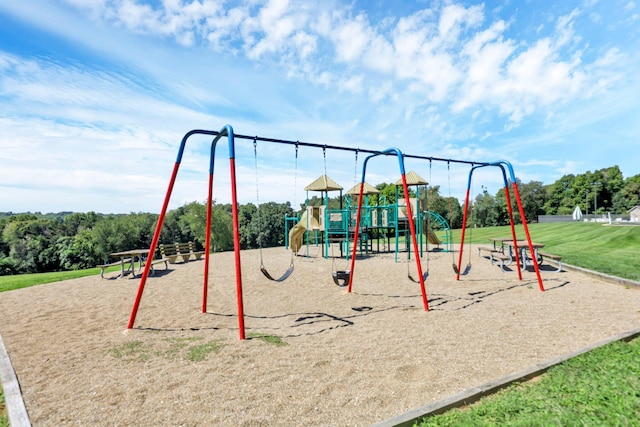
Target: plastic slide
[[296, 234]]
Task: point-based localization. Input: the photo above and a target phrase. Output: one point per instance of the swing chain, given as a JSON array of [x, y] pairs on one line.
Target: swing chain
[[295, 179], [355, 169], [324, 159], [255, 159]]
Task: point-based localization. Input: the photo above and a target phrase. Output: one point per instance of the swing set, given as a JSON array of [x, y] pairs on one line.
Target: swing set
[[341, 277]]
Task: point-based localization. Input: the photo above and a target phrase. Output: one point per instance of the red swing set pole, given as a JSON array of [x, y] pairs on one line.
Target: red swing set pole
[[228, 132], [412, 227], [207, 237], [156, 233], [534, 258], [464, 226], [511, 220], [154, 240], [502, 164]]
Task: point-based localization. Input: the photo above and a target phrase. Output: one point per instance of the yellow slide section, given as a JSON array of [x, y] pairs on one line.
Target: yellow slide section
[[433, 239], [296, 234]]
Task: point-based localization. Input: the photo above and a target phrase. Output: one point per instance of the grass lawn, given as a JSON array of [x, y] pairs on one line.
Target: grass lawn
[[4, 419], [609, 249], [8, 283], [599, 388]]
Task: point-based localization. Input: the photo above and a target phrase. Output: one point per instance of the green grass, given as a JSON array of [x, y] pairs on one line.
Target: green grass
[[132, 351], [271, 339], [599, 388], [198, 353], [4, 418], [9, 283], [604, 248], [169, 348]]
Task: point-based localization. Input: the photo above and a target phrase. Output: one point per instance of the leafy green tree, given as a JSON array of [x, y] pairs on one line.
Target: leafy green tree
[[248, 231], [75, 222], [387, 194], [121, 232], [447, 207], [269, 221], [31, 241], [79, 251], [612, 184], [171, 229], [628, 196], [561, 195], [533, 196], [486, 210]]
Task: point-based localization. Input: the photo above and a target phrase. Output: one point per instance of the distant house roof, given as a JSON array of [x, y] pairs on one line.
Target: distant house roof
[[635, 208]]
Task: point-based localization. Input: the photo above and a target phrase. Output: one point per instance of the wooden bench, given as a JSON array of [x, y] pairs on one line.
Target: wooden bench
[[159, 261], [112, 264], [185, 251], [556, 258]]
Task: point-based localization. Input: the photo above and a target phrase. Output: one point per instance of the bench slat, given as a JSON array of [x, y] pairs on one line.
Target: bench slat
[[184, 251], [112, 264]]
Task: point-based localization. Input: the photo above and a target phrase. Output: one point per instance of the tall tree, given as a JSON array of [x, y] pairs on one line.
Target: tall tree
[[486, 210]]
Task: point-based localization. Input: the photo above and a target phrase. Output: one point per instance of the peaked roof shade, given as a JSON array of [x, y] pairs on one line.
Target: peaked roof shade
[[413, 179], [323, 183], [368, 189]]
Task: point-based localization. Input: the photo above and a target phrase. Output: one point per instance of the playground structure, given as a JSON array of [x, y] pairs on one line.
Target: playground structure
[[320, 226], [347, 275]]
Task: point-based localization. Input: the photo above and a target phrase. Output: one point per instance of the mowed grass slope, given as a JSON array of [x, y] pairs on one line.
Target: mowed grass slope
[[609, 249]]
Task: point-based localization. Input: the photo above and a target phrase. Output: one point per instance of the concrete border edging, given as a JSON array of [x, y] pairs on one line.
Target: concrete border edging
[[16, 410], [473, 394], [606, 277]]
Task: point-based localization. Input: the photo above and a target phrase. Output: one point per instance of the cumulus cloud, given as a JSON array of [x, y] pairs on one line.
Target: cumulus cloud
[[445, 54], [440, 71]]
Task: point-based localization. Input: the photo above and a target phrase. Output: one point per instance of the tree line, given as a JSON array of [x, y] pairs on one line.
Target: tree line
[[34, 242]]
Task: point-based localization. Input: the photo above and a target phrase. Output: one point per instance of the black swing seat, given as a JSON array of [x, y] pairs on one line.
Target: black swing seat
[[466, 271], [424, 277], [280, 279], [341, 277]]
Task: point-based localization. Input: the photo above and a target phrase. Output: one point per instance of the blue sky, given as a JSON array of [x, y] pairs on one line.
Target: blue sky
[[95, 95]]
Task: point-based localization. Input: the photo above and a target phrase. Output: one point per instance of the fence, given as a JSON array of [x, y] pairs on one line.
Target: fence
[[590, 217]]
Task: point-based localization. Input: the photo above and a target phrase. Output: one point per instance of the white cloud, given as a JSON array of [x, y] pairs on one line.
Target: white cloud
[[445, 54], [454, 17], [325, 71]]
